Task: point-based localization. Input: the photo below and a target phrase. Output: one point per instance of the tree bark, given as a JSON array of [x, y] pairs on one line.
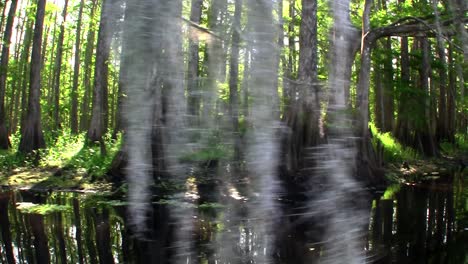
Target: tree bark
[[442, 122], [367, 166], [31, 136], [402, 127], [25, 68], [89, 51], [76, 73], [233, 79], [58, 69], [424, 134], [388, 98], [304, 113], [451, 97], [99, 116], [4, 140], [193, 61]]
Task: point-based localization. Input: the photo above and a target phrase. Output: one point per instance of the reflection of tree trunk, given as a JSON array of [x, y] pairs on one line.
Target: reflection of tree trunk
[[78, 232], [387, 219], [417, 250], [59, 236], [5, 227], [40, 238], [103, 238], [127, 243], [90, 245], [441, 223]]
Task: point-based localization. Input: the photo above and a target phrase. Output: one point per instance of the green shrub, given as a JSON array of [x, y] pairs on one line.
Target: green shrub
[[393, 151]]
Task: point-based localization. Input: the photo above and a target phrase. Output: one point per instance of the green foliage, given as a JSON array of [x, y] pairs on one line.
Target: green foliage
[[64, 151], [460, 146], [42, 209], [212, 148], [392, 149], [89, 158], [391, 191]]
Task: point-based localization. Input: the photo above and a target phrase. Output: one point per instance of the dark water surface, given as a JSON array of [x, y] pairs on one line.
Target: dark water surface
[[426, 223]]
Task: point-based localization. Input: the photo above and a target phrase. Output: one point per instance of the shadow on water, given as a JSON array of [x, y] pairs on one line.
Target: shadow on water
[[426, 223]]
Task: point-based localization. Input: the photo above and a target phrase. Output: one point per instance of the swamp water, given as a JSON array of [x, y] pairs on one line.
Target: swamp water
[[426, 223]]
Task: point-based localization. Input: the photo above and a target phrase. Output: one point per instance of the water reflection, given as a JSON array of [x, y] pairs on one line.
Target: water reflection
[[408, 224]]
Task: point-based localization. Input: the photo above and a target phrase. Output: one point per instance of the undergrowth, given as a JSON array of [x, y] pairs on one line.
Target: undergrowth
[[393, 151], [460, 147], [65, 151]]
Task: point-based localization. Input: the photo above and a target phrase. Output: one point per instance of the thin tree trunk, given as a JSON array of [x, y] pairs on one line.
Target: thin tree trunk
[[292, 40], [442, 122], [425, 135], [245, 84], [32, 137], [4, 140], [378, 93], [76, 73], [52, 73], [193, 61], [451, 100], [401, 129], [122, 84], [89, 51], [58, 69], [2, 19], [388, 98], [233, 78], [24, 70]]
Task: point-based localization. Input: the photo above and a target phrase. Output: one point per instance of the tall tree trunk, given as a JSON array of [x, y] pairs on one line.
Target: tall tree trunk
[[24, 70], [245, 84], [292, 41], [424, 134], [367, 166], [76, 73], [442, 122], [4, 140], [193, 67], [99, 116], [304, 113], [89, 51], [122, 84], [51, 76], [233, 79], [388, 98], [16, 93], [58, 69], [451, 97], [378, 90], [31, 136], [402, 128]]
